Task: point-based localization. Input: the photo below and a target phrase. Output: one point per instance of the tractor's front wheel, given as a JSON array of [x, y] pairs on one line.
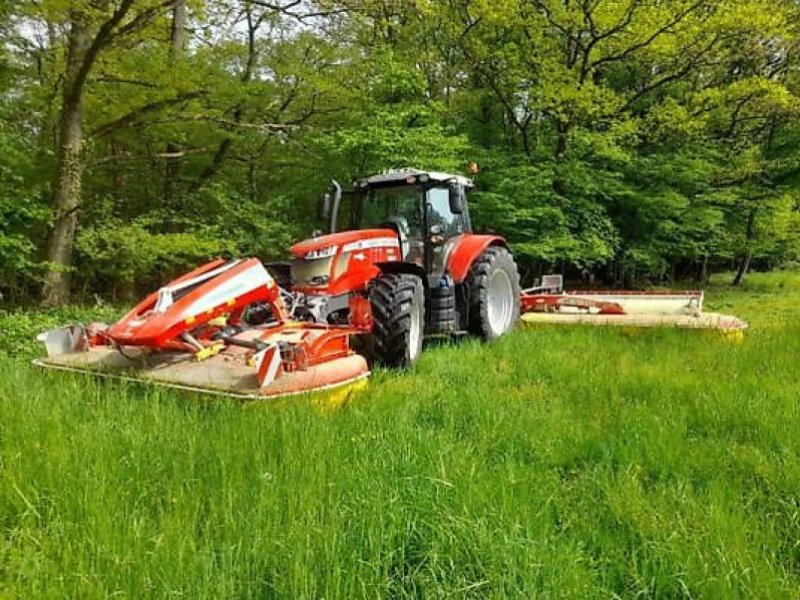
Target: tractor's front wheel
[[494, 293], [398, 315]]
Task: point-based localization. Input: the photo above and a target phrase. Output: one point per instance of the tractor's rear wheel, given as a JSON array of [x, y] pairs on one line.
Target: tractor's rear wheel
[[494, 293], [398, 315]]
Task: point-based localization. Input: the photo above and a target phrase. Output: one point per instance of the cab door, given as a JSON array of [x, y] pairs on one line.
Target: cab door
[[442, 228]]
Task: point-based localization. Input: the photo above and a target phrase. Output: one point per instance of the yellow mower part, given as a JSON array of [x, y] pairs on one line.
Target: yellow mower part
[[338, 397], [734, 336], [209, 351], [220, 321]]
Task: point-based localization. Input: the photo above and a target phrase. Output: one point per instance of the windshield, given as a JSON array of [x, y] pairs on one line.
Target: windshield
[[384, 206]]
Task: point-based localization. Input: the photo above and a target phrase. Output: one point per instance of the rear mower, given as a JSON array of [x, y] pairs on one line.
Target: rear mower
[[407, 266]]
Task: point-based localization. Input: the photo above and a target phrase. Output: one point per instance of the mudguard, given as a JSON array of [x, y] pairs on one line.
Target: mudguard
[[466, 250]]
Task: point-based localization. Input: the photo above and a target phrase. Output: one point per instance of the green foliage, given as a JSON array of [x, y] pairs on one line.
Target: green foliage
[[125, 254], [22, 213], [19, 328], [397, 124], [559, 462], [633, 140], [518, 200]]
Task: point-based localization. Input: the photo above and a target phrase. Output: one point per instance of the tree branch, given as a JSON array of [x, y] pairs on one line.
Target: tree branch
[[229, 124], [286, 9], [652, 37], [100, 39], [548, 15], [134, 115], [130, 156], [687, 68], [143, 19], [105, 34], [115, 80]]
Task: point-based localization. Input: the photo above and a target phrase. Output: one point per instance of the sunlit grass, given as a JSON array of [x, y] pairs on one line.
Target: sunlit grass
[[558, 462]]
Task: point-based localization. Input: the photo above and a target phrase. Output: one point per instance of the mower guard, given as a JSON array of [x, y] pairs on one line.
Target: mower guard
[[549, 303]]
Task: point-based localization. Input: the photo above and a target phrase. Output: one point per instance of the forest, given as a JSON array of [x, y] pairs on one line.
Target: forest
[[634, 142]]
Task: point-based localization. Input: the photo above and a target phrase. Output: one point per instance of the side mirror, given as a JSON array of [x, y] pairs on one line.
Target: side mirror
[[456, 198]]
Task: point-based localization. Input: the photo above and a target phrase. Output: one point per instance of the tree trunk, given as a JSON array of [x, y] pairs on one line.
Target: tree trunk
[[178, 33], [562, 142], [562, 139], [744, 263], [172, 163], [69, 172], [702, 275]]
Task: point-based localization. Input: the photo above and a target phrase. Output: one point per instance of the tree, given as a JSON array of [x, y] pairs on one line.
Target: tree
[[93, 27], [635, 141]]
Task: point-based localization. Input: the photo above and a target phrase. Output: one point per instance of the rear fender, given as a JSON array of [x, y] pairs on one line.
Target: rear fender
[[467, 250]]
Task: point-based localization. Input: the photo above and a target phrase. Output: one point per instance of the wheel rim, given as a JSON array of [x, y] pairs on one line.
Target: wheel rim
[[500, 299], [415, 333]]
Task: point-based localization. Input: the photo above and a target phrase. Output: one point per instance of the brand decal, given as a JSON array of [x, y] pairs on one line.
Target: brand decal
[[383, 242]]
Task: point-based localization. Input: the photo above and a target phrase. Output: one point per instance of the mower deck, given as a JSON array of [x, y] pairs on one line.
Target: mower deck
[[226, 374]]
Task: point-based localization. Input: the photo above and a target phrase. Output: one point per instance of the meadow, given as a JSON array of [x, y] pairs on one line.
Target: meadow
[[559, 462]]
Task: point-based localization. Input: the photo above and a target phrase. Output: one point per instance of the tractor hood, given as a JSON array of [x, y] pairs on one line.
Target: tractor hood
[[360, 239]]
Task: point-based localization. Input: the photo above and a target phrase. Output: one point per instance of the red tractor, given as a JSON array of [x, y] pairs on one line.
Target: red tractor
[[408, 247], [408, 265]]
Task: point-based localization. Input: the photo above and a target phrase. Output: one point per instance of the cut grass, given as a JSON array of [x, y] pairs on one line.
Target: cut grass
[[558, 462]]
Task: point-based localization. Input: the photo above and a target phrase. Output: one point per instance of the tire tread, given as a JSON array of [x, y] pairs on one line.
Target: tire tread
[[393, 297], [492, 258]]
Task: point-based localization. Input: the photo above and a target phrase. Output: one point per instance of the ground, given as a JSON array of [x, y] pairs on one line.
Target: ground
[[558, 462]]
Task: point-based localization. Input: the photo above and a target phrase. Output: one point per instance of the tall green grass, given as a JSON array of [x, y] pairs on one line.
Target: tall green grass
[[559, 462]]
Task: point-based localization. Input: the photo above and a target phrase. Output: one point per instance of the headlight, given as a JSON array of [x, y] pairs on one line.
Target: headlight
[[321, 253]]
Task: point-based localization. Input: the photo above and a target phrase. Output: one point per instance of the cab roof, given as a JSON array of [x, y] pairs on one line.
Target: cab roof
[[404, 176]]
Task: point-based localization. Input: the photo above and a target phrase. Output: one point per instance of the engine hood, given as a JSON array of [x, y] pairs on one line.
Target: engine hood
[[355, 238]]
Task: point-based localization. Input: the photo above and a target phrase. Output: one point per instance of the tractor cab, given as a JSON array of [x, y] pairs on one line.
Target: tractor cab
[[426, 209]]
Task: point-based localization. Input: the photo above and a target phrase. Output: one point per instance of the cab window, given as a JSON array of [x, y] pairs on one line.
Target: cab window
[[383, 204], [439, 212]]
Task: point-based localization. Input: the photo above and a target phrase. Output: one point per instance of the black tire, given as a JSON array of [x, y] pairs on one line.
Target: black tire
[[443, 321], [438, 315], [490, 275], [442, 315], [443, 302], [398, 315]]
